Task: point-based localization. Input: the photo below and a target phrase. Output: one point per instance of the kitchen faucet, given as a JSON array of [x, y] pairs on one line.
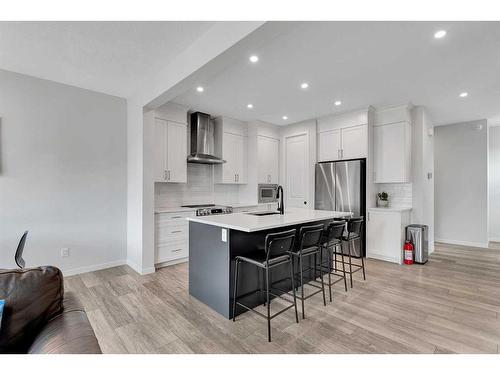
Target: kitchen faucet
[[281, 205]]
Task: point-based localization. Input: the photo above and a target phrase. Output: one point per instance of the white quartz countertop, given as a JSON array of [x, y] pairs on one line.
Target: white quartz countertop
[[390, 209], [251, 223]]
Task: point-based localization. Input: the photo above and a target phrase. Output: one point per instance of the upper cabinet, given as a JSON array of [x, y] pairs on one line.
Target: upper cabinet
[[342, 137], [170, 151], [231, 144], [268, 160], [392, 146]]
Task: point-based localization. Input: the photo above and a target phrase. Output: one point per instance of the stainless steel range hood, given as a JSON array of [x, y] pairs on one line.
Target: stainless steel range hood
[[202, 140]]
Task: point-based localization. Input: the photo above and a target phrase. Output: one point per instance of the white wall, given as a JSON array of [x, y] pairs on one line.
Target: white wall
[[62, 175], [494, 183], [461, 183], [422, 191]]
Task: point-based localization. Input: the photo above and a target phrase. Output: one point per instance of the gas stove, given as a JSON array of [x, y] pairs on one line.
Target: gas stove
[[210, 209]]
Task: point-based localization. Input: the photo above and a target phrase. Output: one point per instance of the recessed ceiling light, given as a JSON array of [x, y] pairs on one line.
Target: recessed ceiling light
[[249, 106], [464, 94], [200, 89], [285, 117], [254, 58], [337, 102], [440, 34], [304, 85]]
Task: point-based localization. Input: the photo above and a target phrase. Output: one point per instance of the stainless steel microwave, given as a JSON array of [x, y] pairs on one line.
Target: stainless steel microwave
[[268, 193]]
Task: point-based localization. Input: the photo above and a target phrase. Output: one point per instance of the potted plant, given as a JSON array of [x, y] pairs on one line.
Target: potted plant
[[382, 199]]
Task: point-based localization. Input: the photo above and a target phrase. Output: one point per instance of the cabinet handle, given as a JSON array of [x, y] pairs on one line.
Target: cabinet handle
[[342, 154], [176, 231], [176, 217], [338, 154], [164, 175], [368, 216], [176, 250], [237, 177]]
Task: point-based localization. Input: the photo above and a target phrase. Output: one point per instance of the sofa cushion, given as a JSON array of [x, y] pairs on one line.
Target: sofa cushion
[[32, 297], [69, 332]]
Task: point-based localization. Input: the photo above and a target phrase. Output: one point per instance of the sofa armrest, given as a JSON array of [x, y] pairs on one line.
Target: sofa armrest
[[67, 333]]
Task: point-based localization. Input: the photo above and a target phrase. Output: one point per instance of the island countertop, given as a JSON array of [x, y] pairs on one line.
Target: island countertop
[[251, 223]]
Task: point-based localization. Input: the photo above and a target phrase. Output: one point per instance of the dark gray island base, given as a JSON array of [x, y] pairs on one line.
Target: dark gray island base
[[211, 265]]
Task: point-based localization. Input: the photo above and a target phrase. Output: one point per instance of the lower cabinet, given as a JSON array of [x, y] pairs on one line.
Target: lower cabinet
[[172, 237], [385, 234]]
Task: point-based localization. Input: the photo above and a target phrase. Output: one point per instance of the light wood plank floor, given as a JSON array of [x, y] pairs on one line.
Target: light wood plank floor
[[450, 305]]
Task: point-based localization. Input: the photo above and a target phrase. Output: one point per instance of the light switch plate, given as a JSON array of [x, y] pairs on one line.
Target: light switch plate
[[224, 235], [65, 252]]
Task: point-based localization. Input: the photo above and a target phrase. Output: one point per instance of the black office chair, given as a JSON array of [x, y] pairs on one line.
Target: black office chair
[[19, 251]]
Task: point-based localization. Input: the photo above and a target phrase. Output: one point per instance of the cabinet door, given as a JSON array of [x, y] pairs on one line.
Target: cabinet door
[[329, 145], [229, 144], [391, 154], [241, 158], [354, 142], [383, 236], [176, 152], [268, 160], [160, 150]]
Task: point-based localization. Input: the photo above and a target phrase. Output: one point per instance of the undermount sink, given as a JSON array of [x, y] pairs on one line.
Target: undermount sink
[[263, 213]]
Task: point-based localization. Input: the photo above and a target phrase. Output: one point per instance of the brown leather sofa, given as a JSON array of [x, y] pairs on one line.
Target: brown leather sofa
[[39, 317]]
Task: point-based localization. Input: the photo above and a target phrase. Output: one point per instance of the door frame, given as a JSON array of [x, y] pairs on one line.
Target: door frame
[[310, 198]]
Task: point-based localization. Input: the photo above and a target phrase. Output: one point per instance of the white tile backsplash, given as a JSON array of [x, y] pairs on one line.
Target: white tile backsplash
[[400, 195], [199, 189]]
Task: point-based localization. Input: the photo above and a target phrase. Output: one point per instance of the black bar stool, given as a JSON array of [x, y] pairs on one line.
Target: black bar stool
[[353, 232], [309, 245], [278, 247], [331, 241]]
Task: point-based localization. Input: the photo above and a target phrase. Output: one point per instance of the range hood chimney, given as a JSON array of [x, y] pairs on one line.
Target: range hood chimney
[[202, 140]]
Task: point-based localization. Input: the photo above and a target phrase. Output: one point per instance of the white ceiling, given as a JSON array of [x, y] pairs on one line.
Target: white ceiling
[[109, 57], [360, 63]]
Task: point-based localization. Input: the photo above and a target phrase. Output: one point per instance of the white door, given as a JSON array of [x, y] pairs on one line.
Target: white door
[[354, 142], [176, 152], [268, 160], [297, 171], [229, 155], [159, 150], [329, 145], [389, 143]]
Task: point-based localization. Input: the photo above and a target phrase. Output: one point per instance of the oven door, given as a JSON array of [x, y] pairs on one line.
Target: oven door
[[268, 193]]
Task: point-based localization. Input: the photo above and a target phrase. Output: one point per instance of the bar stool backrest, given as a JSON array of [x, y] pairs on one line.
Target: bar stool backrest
[[334, 231], [354, 226], [278, 244], [310, 236]]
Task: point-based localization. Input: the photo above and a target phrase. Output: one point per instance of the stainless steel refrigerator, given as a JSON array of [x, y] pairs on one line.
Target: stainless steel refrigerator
[[341, 186]]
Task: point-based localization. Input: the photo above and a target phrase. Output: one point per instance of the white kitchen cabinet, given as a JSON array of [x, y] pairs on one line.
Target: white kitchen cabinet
[[232, 146], [170, 151], [385, 233], [268, 160], [172, 237], [392, 153], [343, 143]]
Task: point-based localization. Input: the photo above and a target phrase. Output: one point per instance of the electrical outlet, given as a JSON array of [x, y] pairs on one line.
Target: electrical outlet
[[65, 252]]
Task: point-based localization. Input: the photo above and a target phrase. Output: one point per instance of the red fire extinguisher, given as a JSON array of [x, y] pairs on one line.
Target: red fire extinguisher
[[408, 249]]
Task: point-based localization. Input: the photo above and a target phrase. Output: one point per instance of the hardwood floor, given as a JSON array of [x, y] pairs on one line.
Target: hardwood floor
[[449, 305]]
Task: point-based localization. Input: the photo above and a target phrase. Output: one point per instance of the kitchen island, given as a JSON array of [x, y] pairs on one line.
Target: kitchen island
[[215, 241]]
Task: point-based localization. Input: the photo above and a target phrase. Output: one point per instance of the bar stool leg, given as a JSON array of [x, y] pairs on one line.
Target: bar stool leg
[[350, 261], [322, 284], [343, 266], [363, 265], [268, 307], [329, 255], [302, 286], [293, 289], [235, 289]]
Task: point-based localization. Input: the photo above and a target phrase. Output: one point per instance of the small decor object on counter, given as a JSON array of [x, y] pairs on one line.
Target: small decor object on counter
[[382, 199]]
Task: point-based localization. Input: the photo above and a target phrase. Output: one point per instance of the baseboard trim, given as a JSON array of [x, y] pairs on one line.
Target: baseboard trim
[[140, 270], [385, 258], [494, 239], [171, 262], [463, 243], [94, 267]]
